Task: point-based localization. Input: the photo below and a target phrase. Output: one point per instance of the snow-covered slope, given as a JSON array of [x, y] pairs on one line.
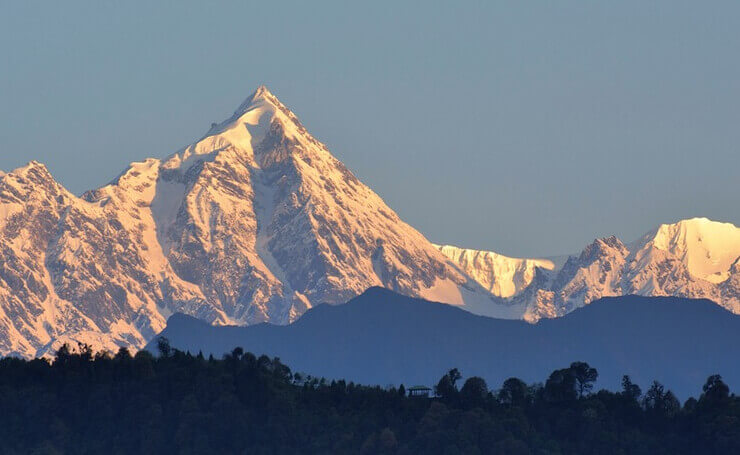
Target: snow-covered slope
[[32, 312], [691, 258], [257, 221], [501, 275], [706, 248], [696, 258]]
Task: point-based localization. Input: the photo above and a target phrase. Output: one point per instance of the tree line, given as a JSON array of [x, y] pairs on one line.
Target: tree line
[[83, 402]]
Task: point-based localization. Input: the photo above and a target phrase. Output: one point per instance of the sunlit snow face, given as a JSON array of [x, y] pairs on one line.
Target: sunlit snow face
[[707, 248], [257, 221]]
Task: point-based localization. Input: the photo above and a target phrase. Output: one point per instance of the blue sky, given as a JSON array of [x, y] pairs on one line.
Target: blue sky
[[528, 128]]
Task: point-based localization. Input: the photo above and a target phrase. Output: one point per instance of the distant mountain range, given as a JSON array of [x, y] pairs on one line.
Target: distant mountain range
[[696, 258], [258, 222], [385, 338]]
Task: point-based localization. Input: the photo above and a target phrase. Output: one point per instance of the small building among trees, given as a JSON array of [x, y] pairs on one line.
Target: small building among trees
[[420, 391]]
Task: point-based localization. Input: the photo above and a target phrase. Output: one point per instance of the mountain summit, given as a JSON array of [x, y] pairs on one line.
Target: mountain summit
[[254, 222], [258, 222], [695, 258]]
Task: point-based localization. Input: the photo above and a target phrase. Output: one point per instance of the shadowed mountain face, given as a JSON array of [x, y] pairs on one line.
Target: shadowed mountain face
[[384, 338]]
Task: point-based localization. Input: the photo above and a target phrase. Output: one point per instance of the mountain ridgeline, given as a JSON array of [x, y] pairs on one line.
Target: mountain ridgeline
[[258, 222], [384, 338]]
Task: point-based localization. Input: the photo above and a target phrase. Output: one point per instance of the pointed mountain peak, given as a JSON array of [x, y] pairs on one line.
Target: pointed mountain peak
[[262, 91], [260, 102], [261, 96], [33, 181], [34, 164], [611, 241], [31, 166], [258, 112], [602, 246]]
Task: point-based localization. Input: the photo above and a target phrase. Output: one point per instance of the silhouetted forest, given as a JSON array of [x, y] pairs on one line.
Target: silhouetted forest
[[87, 403]]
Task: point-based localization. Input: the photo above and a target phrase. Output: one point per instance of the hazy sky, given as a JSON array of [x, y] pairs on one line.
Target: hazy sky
[[528, 128]]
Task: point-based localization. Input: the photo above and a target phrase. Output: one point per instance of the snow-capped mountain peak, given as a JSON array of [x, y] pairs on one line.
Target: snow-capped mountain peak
[[257, 221], [261, 96], [31, 168], [707, 248], [253, 119], [254, 222], [695, 258]]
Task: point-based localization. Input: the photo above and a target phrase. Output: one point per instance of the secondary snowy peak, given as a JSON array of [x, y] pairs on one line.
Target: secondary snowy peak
[[32, 314], [34, 172], [696, 258], [29, 184], [501, 275], [595, 273], [707, 248], [691, 258]]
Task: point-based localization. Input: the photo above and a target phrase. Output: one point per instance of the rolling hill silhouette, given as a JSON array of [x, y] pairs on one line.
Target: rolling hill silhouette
[[381, 337]]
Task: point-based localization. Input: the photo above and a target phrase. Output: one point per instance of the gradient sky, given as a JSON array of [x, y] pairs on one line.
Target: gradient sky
[[528, 128]]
